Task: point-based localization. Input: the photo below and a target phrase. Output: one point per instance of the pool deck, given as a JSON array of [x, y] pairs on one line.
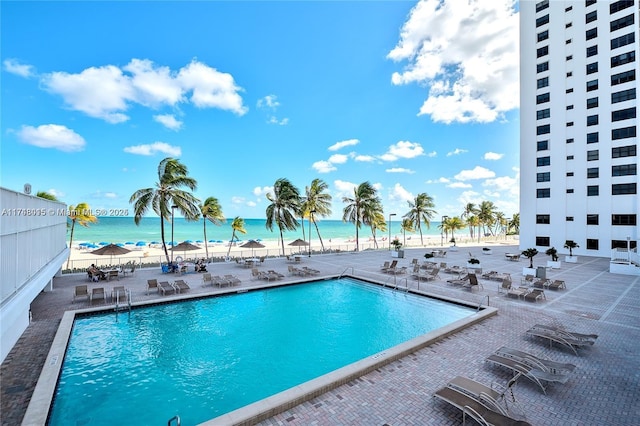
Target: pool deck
[[603, 389]]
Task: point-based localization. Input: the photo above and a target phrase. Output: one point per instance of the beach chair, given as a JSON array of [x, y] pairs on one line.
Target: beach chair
[[80, 291], [505, 285], [164, 287], [256, 274], [571, 334], [473, 283], [152, 285], [489, 275], [518, 292], [219, 281], [232, 279], [119, 294], [181, 285], [97, 294], [310, 271], [114, 273], [535, 361], [493, 395], [562, 338], [534, 295], [459, 281], [275, 275], [206, 279], [535, 374], [388, 266], [557, 285], [541, 283], [432, 275], [527, 280]]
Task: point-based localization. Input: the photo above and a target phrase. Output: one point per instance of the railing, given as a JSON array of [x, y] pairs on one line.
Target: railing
[[176, 418]]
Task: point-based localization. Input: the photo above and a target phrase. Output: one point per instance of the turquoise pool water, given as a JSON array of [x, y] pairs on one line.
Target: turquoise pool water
[[202, 358]]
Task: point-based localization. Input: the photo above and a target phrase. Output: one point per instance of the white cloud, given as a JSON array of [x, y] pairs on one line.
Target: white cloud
[[154, 148], [439, 180], [377, 186], [323, 166], [477, 173], [56, 193], [399, 170], [458, 185], [492, 156], [52, 136], [400, 193], [456, 151], [107, 92], [364, 158], [169, 121], [466, 54], [13, 66], [269, 101], [338, 145], [274, 120], [237, 200], [260, 191], [251, 203], [338, 159], [403, 149], [344, 187], [432, 154], [504, 184]]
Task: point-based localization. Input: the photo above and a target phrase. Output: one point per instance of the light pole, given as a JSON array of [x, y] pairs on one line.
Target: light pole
[[173, 208], [310, 219], [442, 230], [390, 214]]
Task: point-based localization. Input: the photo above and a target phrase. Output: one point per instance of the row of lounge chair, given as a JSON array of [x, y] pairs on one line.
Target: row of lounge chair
[[266, 275], [98, 294], [216, 280], [165, 287], [393, 268], [303, 272], [468, 281]]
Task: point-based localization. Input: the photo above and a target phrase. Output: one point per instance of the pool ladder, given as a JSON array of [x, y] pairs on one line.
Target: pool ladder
[[118, 308], [396, 283], [345, 271], [480, 304], [176, 418]]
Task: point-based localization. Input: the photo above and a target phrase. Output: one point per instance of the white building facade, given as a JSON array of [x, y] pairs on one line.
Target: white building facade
[[32, 250], [578, 131]]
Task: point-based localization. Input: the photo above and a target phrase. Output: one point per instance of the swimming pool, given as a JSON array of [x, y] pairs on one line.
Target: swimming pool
[[205, 357]]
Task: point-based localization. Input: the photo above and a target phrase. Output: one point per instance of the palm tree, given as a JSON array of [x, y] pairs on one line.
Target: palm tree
[[375, 220], [469, 211], [46, 195], [82, 215], [514, 224], [284, 207], [474, 222], [453, 224], [238, 226], [317, 203], [406, 226], [212, 211], [364, 200], [486, 214], [172, 175], [421, 210]]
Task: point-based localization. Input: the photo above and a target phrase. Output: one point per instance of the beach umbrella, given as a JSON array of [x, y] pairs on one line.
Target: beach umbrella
[[141, 243], [299, 243], [184, 247], [188, 241], [252, 244], [120, 245], [111, 250], [103, 243], [129, 243]]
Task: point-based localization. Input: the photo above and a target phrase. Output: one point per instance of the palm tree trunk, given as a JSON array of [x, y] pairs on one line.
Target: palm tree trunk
[[375, 241], [318, 232], [73, 224], [233, 237], [357, 239], [304, 237], [420, 229], [164, 244], [206, 246], [281, 240]]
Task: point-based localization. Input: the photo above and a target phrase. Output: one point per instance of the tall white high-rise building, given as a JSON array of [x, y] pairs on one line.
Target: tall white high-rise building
[[578, 132]]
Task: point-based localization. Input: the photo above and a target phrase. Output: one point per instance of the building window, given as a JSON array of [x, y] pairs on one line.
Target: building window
[[567, 41], [569, 90], [543, 113], [623, 244], [570, 124], [569, 218], [623, 77], [570, 140], [624, 170], [623, 188], [591, 68], [623, 114], [592, 85], [592, 102], [591, 34], [543, 177], [543, 145], [543, 161], [592, 219], [542, 5], [623, 219], [593, 172], [569, 74], [592, 244], [568, 58], [569, 174], [568, 9], [623, 151], [623, 58], [570, 191], [543, 36], [542, 241], [624, 133], [543, 82], [542, 51], [620, 5], [543, 193], [621, 23], [593, 155], [623, 40], [593, 137], [591, 16], [592, 120], [590, 2], [543, 67], [542, 20], [569, 157], [543, 219], [623, 95], [568, 25], [593, 190], [592, 51], [543, 130], [542, 98]]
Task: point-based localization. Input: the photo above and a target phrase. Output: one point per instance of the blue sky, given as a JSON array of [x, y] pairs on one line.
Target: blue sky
[[411, 96]]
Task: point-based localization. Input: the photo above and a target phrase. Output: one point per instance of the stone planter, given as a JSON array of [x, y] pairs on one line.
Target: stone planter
[[571, 259], [453, 248], [397, 253], [528, 271], [487, 251], [554, 264]]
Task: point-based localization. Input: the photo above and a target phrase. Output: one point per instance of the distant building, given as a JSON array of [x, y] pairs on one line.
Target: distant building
[[578, 133], [32, 251]]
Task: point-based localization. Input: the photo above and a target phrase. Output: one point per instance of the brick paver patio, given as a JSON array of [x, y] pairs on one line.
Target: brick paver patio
[[603, 389]]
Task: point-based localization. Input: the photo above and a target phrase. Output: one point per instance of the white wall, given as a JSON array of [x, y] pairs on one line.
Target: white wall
[[32, 250]]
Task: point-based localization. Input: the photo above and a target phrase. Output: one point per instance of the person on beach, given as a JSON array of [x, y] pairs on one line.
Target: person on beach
[[95, 274]]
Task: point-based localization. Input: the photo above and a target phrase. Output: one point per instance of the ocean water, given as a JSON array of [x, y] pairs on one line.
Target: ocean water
[[123, 229]]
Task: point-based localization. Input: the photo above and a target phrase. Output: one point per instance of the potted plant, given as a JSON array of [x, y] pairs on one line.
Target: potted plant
[[428, 255], [453, 247], [554, 262], [486, 250], [529, 254], [570, 244], [396, 251]]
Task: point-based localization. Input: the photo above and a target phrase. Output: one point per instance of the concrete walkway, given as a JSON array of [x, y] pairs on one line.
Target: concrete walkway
[[604, 388]]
